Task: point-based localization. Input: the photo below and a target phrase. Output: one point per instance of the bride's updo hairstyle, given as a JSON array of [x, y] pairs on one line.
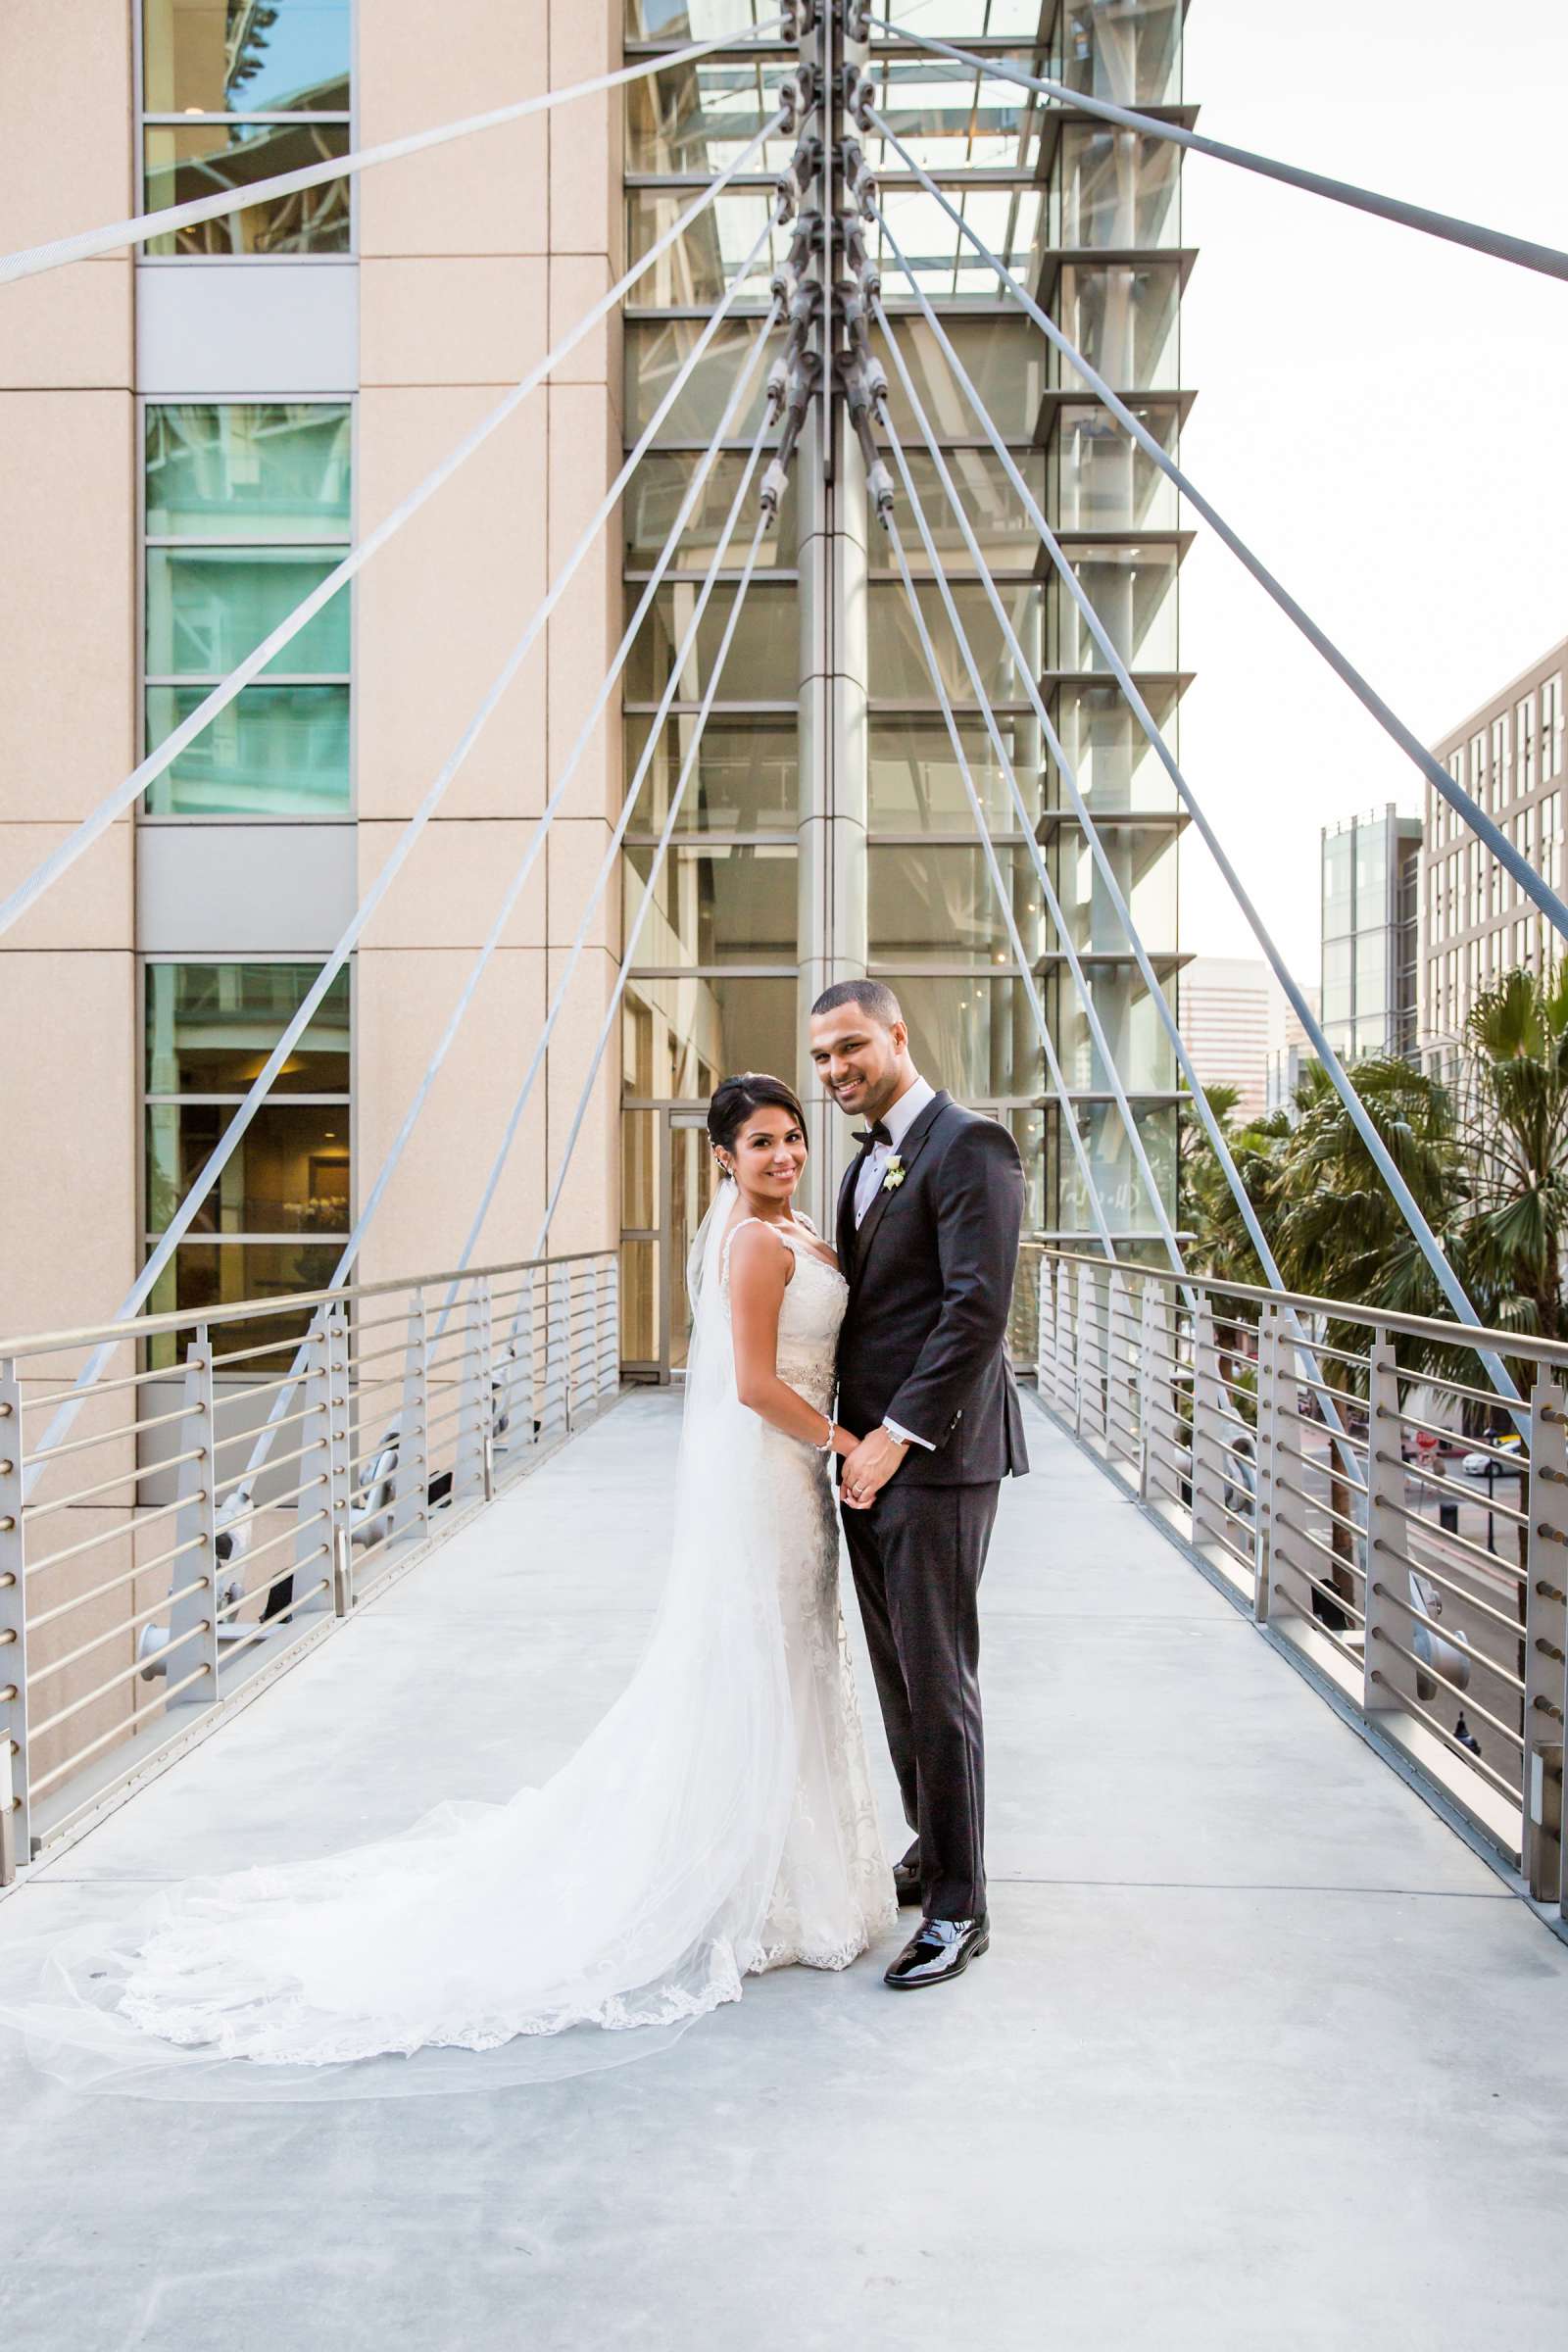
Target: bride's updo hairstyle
[[734, 1101]]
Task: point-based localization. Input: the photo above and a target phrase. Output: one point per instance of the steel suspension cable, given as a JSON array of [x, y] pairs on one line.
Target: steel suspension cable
[[1096, 1208], [1085, 995], [33, 258], [1104, 863], [1534, 886], [1409, 1207], [125, 793], [611, 860], [261, 1085], [585, 735], [656, 868], [1524, 252]]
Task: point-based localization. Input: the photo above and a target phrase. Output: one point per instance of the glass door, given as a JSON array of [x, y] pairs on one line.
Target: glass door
[[689, 1177]]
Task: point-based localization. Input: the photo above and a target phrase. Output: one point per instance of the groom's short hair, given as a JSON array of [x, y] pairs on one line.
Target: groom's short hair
[[871, 996]]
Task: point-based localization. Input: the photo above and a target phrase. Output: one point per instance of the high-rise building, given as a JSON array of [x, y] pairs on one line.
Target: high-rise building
[[1370, 933], [1476, 922], [196, 430], [1290, 1048], [1226, 1010]]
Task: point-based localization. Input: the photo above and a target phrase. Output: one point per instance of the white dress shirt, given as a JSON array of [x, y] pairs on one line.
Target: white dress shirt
[[897, 1121]]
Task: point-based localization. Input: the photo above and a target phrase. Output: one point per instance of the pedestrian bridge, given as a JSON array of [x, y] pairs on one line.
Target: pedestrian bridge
[[1263, 2051]]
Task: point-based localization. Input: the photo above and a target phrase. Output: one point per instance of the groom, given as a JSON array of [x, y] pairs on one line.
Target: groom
[[928, 1221]]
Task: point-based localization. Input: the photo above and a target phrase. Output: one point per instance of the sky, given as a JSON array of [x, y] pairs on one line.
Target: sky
[[1381, 415]]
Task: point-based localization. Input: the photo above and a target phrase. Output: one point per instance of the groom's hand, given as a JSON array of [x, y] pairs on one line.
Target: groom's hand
[[868, 1468]]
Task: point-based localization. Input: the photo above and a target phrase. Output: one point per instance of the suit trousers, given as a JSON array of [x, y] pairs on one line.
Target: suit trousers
[[918, 1554]]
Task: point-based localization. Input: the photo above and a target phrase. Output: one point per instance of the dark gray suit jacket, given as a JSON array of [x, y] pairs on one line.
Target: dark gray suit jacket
[[931, 1272]]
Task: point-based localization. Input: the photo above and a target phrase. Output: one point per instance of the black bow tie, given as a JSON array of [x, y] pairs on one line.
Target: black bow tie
[[874, 1134]]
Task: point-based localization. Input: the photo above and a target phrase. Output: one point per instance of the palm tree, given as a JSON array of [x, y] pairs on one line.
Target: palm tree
[[1516, 1135]]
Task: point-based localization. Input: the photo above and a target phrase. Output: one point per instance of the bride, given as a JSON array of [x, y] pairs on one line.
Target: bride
[[717, 1822]]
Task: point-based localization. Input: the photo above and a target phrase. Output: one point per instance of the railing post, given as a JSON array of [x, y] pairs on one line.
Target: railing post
[[15, 1838], [342, 1465], [1121, 1411], [1066, 1348], [195, 1523], [556, 1413], [1387, 1549], [524, 1399], [1045, 1328], [1208, 1458], [313, 1505], [473, 1470], [1088, 1412], [1545, 1641], [1271, 1347], [410, 1506]]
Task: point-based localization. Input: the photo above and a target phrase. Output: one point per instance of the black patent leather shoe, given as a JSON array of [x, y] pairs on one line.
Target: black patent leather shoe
[[906, 1884], [940, 1948]]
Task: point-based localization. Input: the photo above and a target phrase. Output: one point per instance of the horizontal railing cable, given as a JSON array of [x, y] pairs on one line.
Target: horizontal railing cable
[[1426, 1241], [611, 861], [1100, 1041], [125, 793], [628, 947], [1524, 252], [1533, 885], [82, 246], [1104, 863]]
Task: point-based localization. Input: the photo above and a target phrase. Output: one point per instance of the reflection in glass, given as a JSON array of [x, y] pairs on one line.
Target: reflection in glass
[[1116, 188], [639, 1160], [702, 262], [702, 1028], [1138, 1044], [248, 470], [696, 118], [655, 356], [898, 661], [1143, 859], [273, 751], [211, 1027], [205, 1275], [639, 1318], [654, 498], [746, 779], [735, 904], [937, 905], [995, 512], [184, 162], [1133, 590], [1126, 323], [1111, 758], [948, 118], [220, 56], [289, 1172], [208, 607], [973, 1035], [760, 666], [1101, 480], [1005, 359], [1117, 1178], [1129, 51], [946, 267], [916, 784]]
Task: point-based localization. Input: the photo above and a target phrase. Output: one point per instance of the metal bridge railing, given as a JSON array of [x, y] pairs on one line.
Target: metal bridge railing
[[1417, 1563], [228, 1495]]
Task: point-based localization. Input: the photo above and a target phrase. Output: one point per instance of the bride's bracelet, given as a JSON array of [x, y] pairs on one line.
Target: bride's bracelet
[[826, 1445]]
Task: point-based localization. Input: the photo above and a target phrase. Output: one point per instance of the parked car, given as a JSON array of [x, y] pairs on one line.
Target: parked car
[[1478, 1465]]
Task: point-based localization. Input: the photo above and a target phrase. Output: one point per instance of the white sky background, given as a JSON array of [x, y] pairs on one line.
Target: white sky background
[[1383, 417]]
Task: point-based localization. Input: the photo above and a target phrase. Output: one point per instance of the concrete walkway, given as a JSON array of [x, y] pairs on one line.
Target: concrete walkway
[[1261, 2054]]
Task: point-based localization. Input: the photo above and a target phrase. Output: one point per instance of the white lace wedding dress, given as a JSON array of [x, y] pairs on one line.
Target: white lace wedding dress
[[717, 1822]]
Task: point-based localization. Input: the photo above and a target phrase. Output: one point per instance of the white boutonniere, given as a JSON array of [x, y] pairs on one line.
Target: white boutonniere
[[895, 1175]]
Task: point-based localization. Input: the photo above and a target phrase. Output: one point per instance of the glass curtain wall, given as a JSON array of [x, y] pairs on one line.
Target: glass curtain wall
[[279, 1213], [1092, 225], [232, 93]]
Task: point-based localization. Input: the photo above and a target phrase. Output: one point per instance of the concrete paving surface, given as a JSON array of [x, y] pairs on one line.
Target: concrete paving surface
[[1262, 2055]]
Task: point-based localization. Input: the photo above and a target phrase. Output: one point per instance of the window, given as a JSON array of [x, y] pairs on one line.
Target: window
[[234, 93], [1478, 769], [280, 1210], [1550, 729], [247, 507], [1525, 719]]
